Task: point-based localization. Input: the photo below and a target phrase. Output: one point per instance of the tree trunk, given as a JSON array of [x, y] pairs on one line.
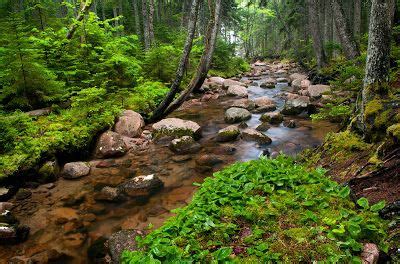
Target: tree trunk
[[315, 32], [205, 61], [146, 32], [151, 22], [136, 16], [349, 45], [357, 19], [81, 15], [158, 113], [378, 55]]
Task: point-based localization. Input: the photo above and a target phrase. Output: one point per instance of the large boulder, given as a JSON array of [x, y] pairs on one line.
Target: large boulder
[[121, 241], [227, 134], [316, 91], [184, 145], [216, 80], [39, 112], [297, 76], [272, 118], [110, 144], [176, 128], [74, 170], [264, 104], [296, 106], [129, 124], [141, 186], [250, 134], [235, 115], [268, 83], [280, 72], [237, 90], [229, 82], [296, 84], [244, 103]]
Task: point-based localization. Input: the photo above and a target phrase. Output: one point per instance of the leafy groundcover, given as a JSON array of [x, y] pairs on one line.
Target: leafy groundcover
[[265, 211]]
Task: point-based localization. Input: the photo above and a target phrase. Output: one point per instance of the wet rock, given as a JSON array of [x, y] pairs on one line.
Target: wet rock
[[237, 90], [141, 186], [49, 171], [7, 192], [121, 241], [181, 158], [296, 84], [110, 144], [20, 260], [235, 115], [227, 134], [316, 91], [296, 106], [304, 93], [75, 240], [108, 163], [244, 103], [62, 215], [184, 145], [225, 150], [269, 83], [243, 125], [263, 127], [208, 160], [272, 118], [229, 82], [216, 80], [281, 72], [108, 194], [23, 194], [282, 80], [370, 254], [290, 123], [5, 206], [129, 124], [264, 104], [176, 128], [305, 84], [74, 170], [49, 256], [274, 155], [13, 234], [254, 135], [97, 251]]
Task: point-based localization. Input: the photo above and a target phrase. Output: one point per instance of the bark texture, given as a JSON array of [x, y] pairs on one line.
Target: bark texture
[[347, 41], [158, 113], [357, 18], [146, 32], [81, 15], [313, 6]]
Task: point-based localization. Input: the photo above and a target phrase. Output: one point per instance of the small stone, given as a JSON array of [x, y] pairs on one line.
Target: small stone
[[263, 127], [141, 186], [272, 118], [237, 90], [370, 254], [227, 134], [23, 194], [181, 158], [110, 144], [121, 241], [108, 194], [184, 145], [74, 170], [208, 160], [254, 135], [290, 124], [234, 115]]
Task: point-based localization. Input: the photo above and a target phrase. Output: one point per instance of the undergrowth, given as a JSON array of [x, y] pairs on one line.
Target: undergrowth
[[265, 211]]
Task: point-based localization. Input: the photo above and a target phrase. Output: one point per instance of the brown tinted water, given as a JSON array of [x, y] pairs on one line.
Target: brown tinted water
[[68, 219]]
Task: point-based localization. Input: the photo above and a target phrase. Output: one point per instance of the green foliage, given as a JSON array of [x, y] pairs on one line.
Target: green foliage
[[333, 113], [160, 63], [146, 96], [294, 215]]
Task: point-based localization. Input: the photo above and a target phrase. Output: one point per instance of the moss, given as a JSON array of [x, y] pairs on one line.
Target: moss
[[373, 108], [345, 141], [394, 131]]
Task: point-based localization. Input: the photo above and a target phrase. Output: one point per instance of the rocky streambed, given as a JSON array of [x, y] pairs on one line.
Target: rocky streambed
[[139, 172]]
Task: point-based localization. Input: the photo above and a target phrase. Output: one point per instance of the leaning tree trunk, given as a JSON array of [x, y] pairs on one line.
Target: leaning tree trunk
[[84, 9], [205, 61], [378, 56], [158, 113], [349, 45], [316, 33]]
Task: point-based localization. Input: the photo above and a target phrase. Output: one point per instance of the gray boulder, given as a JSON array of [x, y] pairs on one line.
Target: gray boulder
[[121, 241], [237, 90], [250, 134], [110, 144], [129, 124], [272, 118], [235, 115], [227, 134], [74, 170], [296, 106], [244, 103], [184, 145], [176, 128], [141, 186], [316, 91]]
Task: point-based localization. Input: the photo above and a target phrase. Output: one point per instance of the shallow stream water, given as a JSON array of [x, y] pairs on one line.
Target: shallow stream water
[[65, 217]]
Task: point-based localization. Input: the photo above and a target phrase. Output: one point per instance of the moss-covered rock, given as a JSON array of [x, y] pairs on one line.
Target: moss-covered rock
[[227, 134]]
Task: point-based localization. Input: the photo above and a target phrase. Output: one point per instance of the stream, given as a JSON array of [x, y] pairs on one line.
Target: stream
[[64, 218]]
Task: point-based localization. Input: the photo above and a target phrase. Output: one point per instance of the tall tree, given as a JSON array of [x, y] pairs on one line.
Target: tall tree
[[136, 16], [313, 14], [349, 45], [378, 55], [158, 113], [205, 61], [151, 22], [146, 29], [357, 18], [85, 6]]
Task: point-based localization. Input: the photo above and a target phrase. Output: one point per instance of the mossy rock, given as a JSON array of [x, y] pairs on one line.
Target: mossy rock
[[394, 132], [227, 134], [49, 171]]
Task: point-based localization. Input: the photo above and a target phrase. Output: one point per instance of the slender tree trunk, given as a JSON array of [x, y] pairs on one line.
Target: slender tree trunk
[[151, 22], [378, 55], [136, 16], [158, 113], [357, 19], [146, 32], [115, 15], [347, 41], [315, 32], [80, 16], [205, 61], [103, 10]]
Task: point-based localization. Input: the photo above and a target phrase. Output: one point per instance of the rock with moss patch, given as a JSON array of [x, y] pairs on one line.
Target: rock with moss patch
[[244, 103], [316, 91], [250, 134], [184, 145], [227, 134], [236, 115], [296, 106], [272, 118], [49, 171], [176, 128], [394, 132]]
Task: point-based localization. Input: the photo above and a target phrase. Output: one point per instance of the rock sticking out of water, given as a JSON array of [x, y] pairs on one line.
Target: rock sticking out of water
[[235, 115], [272, 118], [227, 134], [74, 170], [141, 186], [254, 135], [110, 144], [184, 145], [176, 128], [129, 124]]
